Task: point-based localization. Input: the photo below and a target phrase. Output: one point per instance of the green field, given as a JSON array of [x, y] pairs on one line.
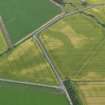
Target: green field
[[3, 45], [96, 1], [99, 13], [76, 4], [30, 95], [26, 63], [77, 46], [21, 17], [92, 93]]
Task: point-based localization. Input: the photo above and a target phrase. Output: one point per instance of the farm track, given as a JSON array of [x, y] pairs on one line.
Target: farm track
[[53, 66], [88, 81], [28, 83]]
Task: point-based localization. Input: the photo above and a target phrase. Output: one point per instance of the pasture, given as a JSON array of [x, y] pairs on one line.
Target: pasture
[[76, 45], [21, 17], [30, 95], [26, 63]]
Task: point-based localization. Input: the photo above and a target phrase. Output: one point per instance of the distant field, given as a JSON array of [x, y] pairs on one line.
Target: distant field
[[92, 93], [26, 63], [99, 13], [96, 1], [21, 17], [77, 46], [30, 95], [2, 43], [77, 4]]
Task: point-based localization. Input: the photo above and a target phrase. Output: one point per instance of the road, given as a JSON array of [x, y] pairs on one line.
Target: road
[[36, 35], [28, 83], [53, 66], [57, 18]]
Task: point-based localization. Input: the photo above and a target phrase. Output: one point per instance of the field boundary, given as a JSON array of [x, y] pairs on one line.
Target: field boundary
[[29, 83], [5, 33], [88, 81], [53, 66]]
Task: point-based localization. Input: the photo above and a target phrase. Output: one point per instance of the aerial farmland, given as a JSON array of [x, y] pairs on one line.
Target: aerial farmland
[[52, 52]]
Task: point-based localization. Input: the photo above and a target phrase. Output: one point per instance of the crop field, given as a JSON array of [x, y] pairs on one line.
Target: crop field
[[77, 46], [21, 17], [30, 95], [99, 13], [76, 4], [26, 63], [72, 5], [95, 1], [92, 93], [3, 45], [63, 64]]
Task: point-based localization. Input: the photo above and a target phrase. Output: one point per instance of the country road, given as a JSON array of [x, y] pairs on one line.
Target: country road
[[56, 19], [53, 66]]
